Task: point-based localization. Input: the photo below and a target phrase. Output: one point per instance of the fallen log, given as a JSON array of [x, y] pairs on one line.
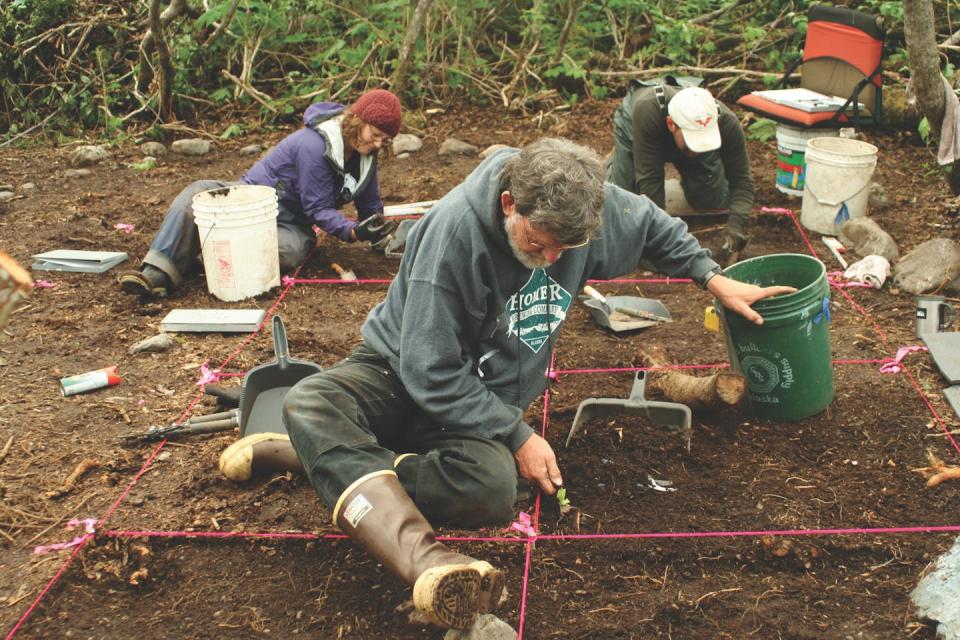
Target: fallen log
[[704, 393]]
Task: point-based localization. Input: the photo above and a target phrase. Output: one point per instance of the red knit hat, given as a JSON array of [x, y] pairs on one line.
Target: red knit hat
[[379, 108]]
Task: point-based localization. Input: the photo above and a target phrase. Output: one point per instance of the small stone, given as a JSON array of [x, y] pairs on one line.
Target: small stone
[[406, 143], [936, 596], [153, 148], [403, 156], [76, 173], [191, 147], [6, 187], [27, 187], [157, 343], [452, 146], [486, 627], [164, 455], [251, 150], [88, 155], [7, 195], [492, 149]]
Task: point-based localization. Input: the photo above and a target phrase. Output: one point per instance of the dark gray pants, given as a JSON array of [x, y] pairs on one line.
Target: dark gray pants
[[356, 418], [177, 244]]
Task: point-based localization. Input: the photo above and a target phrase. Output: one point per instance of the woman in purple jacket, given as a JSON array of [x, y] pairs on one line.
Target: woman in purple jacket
[[316, 170]]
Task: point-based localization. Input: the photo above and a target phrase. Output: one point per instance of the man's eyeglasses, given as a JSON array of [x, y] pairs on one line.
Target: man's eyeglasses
[[540, 247]]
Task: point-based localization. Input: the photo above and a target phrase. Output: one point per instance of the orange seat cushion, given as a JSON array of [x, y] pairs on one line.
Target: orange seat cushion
[[790, 115]]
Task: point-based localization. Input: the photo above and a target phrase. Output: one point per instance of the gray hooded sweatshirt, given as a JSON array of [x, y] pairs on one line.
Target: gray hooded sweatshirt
[[470, 330]]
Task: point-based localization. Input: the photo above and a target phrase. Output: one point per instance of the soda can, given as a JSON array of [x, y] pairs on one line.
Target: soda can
[[89, 381]]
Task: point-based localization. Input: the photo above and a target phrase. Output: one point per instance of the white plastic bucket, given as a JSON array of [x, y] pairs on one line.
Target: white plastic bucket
[[238, 240], [791, 149], [837, 182]]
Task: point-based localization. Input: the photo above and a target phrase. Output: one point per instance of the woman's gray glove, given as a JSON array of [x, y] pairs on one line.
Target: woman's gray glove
[[375, 228]]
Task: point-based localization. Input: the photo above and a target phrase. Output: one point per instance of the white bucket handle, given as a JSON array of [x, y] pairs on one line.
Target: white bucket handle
[[839, 201]]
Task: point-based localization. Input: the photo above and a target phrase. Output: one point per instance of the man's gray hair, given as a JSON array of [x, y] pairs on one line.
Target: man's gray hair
[[558, 185]]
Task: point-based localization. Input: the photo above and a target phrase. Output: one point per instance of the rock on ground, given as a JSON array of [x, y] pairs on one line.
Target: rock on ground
[[406, 143], [452, 146], [153, 148], [191, 147], [251, 150], [866, 238], [930, 265], [487, 627], [159, 342], [88, 155], [937, 597]]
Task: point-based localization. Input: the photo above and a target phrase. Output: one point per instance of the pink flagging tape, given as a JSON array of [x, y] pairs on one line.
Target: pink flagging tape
[[523, 524], [892, 365], [88, 528], [211, 376]]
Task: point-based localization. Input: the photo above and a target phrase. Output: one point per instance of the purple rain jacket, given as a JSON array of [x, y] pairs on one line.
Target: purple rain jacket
[[306, 169]]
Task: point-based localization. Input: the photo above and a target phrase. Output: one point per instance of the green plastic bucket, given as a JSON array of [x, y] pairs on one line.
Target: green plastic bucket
[[786, 361]]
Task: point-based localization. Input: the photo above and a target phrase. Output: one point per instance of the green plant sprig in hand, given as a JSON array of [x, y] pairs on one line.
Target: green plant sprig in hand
[[563, 501]]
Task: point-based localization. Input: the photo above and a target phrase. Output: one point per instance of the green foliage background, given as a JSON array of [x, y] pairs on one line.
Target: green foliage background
[[73, 64]]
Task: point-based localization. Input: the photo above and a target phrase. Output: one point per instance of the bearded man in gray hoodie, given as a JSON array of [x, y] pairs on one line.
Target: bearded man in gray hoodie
[[424, 421]]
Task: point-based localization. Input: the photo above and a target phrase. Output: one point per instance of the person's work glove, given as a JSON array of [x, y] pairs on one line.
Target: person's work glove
[[736, 237], [375, 228]]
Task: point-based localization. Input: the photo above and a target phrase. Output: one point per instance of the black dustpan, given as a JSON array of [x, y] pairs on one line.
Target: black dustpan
[[264, 386]]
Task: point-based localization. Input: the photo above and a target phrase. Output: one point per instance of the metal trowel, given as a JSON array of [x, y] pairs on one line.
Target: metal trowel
[[623, 313]]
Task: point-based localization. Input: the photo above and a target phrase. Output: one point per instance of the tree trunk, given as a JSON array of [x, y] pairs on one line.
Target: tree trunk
[[402, 72], [925, 73], [165, 98], [174, 9], [565, 33]]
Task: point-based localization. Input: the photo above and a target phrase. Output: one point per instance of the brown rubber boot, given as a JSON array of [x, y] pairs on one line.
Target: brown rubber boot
[[449, 588], [257, 454]]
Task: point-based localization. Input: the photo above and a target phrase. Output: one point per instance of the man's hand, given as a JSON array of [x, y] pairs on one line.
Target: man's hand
[[538, 464], [738, 296], [375, 228]]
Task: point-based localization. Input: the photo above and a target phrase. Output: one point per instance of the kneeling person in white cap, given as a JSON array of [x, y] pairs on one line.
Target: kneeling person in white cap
[[701, 137]]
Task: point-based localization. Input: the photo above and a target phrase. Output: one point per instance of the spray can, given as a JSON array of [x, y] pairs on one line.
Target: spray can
[[89, 381]]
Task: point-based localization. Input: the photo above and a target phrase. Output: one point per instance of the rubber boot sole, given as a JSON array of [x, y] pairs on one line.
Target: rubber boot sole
[[449, 595], [134, 283], [492, 583]]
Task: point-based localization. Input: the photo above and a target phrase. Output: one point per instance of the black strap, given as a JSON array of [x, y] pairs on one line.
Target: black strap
[[661, 95]]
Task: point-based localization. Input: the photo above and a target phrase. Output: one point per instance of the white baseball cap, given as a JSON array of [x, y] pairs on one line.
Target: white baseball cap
[[694, 110]]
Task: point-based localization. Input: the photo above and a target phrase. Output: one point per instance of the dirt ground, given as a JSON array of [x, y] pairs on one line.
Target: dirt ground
[[821, 479]]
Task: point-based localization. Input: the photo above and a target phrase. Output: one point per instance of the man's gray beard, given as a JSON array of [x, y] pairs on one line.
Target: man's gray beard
[[529, 260]]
